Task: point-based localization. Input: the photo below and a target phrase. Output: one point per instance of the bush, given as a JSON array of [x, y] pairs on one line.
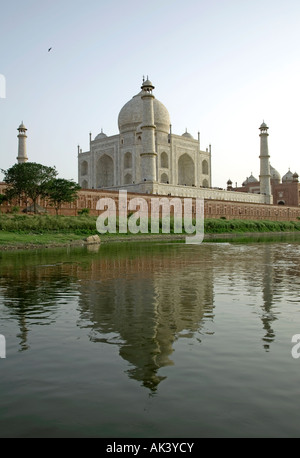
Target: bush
[[84, 211]]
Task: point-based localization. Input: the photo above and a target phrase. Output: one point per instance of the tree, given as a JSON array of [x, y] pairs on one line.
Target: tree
[[28, 180], [59, 190], [3, 198]]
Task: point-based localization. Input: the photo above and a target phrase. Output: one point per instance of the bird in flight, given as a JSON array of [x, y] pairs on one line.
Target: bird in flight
[[49, 49]]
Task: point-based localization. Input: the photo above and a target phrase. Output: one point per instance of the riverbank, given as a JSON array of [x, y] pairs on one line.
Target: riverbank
[[37, 231], [32, 242]]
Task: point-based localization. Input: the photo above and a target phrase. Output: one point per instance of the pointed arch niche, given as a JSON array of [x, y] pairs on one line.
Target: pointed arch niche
[[164, 178], [84, 168], [186, 170], [164, 160], [127, 160], [205, 167], [105, 172], [128, 178]]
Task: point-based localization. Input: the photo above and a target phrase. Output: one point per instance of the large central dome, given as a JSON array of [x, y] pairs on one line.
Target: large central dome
[[131, 115]]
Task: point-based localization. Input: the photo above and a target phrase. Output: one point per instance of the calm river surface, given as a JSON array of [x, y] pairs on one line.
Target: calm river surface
[[151, 340]]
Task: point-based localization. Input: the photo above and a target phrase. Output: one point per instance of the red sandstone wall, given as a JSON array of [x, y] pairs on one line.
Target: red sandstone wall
[[212, 208]]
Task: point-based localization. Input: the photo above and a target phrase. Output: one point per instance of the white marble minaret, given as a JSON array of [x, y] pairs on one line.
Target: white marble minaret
[[22, 153], [265, 174], [148, 156]]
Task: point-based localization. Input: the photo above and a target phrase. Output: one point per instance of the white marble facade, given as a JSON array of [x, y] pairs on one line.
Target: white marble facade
[[144, 151]]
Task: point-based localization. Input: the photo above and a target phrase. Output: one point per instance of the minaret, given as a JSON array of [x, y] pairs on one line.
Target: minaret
[[265, 174], [148, 156], [22, 153]]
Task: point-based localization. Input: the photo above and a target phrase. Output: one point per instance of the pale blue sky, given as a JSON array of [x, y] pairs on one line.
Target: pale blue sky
[[220, 67]]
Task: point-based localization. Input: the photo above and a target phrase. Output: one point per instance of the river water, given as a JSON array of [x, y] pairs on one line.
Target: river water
[[151, 340]]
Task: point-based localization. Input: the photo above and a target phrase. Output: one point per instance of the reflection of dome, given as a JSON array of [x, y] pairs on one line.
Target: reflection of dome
[[250, 179], [131, 115], [274, 174], [101, 135], [187, 135], [287, 177]]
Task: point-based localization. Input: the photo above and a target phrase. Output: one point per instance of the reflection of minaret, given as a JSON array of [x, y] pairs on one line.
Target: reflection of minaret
[[268, 290], [28, 292], [265, 174], [22, 153]]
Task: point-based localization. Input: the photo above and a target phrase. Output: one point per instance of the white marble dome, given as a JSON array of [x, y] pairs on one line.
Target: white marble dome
[[187, 135], [275, 175], [101, 136], [131, 115], [250, 179]]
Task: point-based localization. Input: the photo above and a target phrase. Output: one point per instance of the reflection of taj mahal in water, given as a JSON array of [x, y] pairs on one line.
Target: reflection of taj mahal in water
[[144, 302]]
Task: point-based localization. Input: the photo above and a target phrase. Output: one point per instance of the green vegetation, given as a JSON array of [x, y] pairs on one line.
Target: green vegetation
[[86, 224], [220, 226], [59, 191], [39, 224], [50, 229], [84, 211], [32, 181]]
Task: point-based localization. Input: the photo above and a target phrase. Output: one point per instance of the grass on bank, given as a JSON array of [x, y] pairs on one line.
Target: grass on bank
[[49, 229]]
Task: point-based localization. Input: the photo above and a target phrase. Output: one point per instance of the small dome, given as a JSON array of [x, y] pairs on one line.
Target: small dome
[[101, 135], [21, 126], [147, 83], [287, 177], [264, 126], [295, 175], [274, 174], [250, 179], [229, 181], [187, 134]]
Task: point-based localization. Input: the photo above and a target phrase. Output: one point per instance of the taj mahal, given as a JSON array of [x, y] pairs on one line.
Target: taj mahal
[[145, 151], [147, 157]]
